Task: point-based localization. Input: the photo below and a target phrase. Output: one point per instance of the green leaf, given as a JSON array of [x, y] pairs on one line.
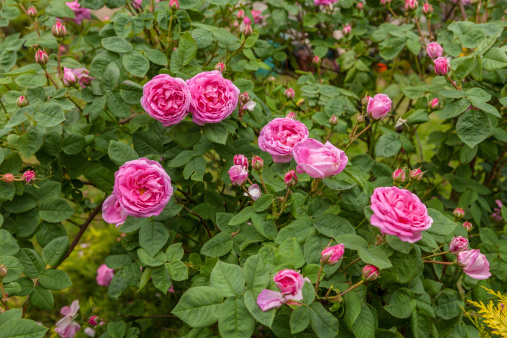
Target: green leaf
[[8, 245], [324, 324], [31, 80], [136, 63], [55, 280], [364, 326], [422, 326], [228, 279], [184, 54], [178, 271], [116, 329], [243, 216], [234, 320], [375, 256], [53, 253], [216, 132], [387, 145], [116, 44], [352, 305], [32, 263], [332, 225], [73, 144], [25, 328], [300, 228], [256, 273], [336, 184], [495, 58], [300, 319], [156, 57], [55, 209], [263, 317], [110, 79], [353, 242], [448, 304], [402, 303], [473, 127], [14, 268], [291, 253], [131, 92], [28, 143], [153, 236], [49, 115], [161, 278], [454, 109], [118, 261], [398, 245], [42, 298], [441, 225], [60, 9], [174, 252], [263, 203], [120, 152], [199, 306]]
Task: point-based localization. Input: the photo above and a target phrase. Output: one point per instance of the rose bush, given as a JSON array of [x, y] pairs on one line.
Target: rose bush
[[258, 168]]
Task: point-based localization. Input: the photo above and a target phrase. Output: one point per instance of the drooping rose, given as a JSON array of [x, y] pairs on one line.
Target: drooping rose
[[332, 255], [474, 264], [279, 137], [69, 78], [379, 106], [104, 275], [290, 283], [112, 211], [81, 13], [83, 76], [269, 299], [319, 160], [166, 99], [213, 97], [400, 213], [458, 244], [434, 50]]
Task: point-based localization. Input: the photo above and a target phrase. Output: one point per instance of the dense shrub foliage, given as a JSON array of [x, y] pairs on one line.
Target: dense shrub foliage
[[268, 168]]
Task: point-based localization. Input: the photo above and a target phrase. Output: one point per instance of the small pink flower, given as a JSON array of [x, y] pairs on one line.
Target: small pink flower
[[241, 160], [22, 102], [220, 67], [29, 176], [112, 211], [289, 93], [441, 66], [104, 275], [433, 104], [474, 264], [269, 299], [240, 15], [58, 30], [458, 244], [32, 12], [497, 215], [290, 283], [41, 57], [416, 175], [291, 179], [257, 163], [238, 175], [279, 137], [458, 212], [291, 115], [83, 77], [316, 61], [319, 160], [346, 30], [379, 106], [360, 6], [324, 2], [468, 226], [411, 4], [254, 191], [332, 255], [67, 327], [370, 272], [333, 120], [69, 78], [93, 320], [434, 50], [8, 178], [80, 12], [247, 30], [427, 9], [399, 176], [171, 289], [174, 5]]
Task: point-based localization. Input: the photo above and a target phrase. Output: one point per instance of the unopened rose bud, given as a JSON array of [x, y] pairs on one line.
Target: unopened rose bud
[[58, 30], [22, 102], [220, 67], [433, 104], [291, 179], [291, 115], [468, 226], [3, 271], [174, 5], [458, 212], [361, 119], [247, 30], [399, 176], [240, 15], [331, 256], [411, 5], [427, 9], [289, 93], [458, 244], [244, 98], [441, 66], [360, 6], [94, 320], [333, 120], [32, 12], [346, 30], [29, 176], [41, 57], [365, 100], [257, 163], [316, 61], [416, 175], [370, 272], [8, 178]]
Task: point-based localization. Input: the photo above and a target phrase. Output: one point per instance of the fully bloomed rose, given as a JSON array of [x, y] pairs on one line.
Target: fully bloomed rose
[[319, 160], [213, 97], [474, 264], [290, 283], [80, 12], [279, 137], [104, 275], [166, 99], [142, 188], [112, 211], [400, 213], [379, 106]]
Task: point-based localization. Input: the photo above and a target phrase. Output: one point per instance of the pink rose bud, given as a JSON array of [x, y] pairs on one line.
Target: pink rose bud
[[240, 15], [291, 179], [346, 30], [474, 264], [441, 66], [291, 115], [459, 212], [93, 320], [29, 176], [41, 57], [370, 272], [241, 160], [411, 5], [279, 137], [433, 104], [32, 12], [467, 225], [416, 175], [427, 9], [333, 120], [365, 100], [332, 255], [257, 163], [360, 6], [174, 5], [379, 106], [22, 101], [3, 271], [383, 2], [69, 78], [319, 160], [244, 98], [316, 61], [289, 93], [220, 67], [58, 30], [238, 175], [104, 275], [247, 30], [254, 191], [399, 175], [290, 283], [458, 244], [8, 178], [434, 50]]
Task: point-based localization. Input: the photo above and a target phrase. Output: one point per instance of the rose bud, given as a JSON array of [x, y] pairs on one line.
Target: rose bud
[[346, 30], [467, 225], [8, 178], [333, 120], [174, 5], [399, 175], [247, 30], [241, 160], [93, 320], [433, 104], [291, 115], [244, 98], [316, 61], [240, 15], [441, 66], [370, 272], [459, 212], [257, 163], [29, 176], [411, 5], [379, 106], [291, 179], [69, 78], [238, 175], [365, 100], [434, 50], [360, 6], [474, 264], [220, 67], [427, 9], [41, 57], [289, 93], [271, 79], [3, 271], [416, 175], [58, 30], [458, 244], [361, 119], [332, 255], [32, 12], [22, 101]]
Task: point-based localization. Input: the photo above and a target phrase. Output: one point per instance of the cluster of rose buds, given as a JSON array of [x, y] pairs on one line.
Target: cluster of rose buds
[[399, 175], [239, 174], [28, 177]]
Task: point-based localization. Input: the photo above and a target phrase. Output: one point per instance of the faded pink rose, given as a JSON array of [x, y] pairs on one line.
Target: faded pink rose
[[238, 175], [166, 99], [80, 12], [279, 137], [269, 299], [83, 76], [67, 327], [290, 283], [142, 187], [213, 97], [319, 160], [400, 213], [254, 191], [241, 160], [29, 176], [112, 211], [256, 16], [379, 106], [434, 50], [441, 66], [324, 2], [458, 244], [104, 275], [332, 255], [474, 264], [69, 79], [497, 214]]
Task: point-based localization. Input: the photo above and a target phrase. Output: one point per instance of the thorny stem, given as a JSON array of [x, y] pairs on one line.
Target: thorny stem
[[318, 277], [50, 78], [437, 254], [420, 31]]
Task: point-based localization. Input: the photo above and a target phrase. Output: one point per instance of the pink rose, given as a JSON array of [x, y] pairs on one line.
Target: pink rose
[[332, 255], [83, 76], [347, 29], [257, 163], [29, 176], [166, 99], [399, 175], [370, 272], [427, 9], [238, 175], [441, 66], [80, 12], [112, 211], [400, 213], [69, 79], [104, 275], [291, 115], [411, 4], [254, 191], [458, 212], [497, 214], [290, 283], [319, 160], [67, 327], [93, 320], [213, 97], [142, 187], [324, 2], [468, 226], [434, 50], [241, 160], [289, 93], [269, 299], [279, 137], [474, 264], [433, 104], [458, 244], [379, 106]]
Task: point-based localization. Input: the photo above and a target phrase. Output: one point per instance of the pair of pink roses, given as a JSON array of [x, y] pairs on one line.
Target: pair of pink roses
[[208, 96]]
